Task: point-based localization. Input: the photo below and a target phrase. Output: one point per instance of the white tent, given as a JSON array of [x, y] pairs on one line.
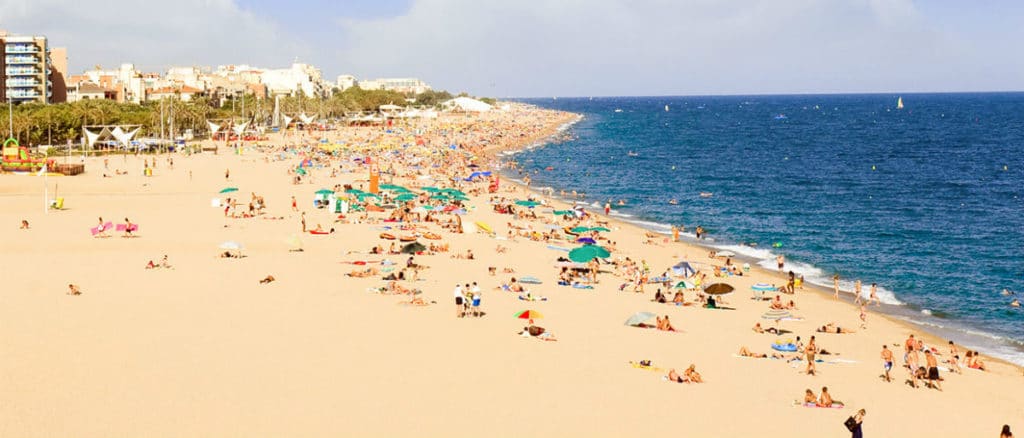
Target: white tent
[[467, 104]]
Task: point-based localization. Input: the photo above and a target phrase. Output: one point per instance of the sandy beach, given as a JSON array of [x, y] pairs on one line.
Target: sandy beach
[[203, 349]]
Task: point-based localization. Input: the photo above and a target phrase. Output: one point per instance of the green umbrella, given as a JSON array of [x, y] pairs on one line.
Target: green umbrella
[[300, 171], [685, 285], [460, 198], [405, 197], [587, 253], [530, 204], [561, 212], [229, 189], [580, 229], [325, 192], [602, 229], [431, 189], [356, 191]]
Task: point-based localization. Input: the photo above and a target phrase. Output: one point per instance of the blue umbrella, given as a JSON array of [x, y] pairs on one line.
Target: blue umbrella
[[586, 241]]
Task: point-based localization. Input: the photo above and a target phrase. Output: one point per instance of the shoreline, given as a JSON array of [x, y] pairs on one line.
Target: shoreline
[[891, 311]]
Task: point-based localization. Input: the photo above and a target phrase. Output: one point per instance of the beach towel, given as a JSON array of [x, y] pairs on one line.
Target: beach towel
[[122, 227], [812, 405], [559, 248], [582, 286], [637, 365], [525, 298]]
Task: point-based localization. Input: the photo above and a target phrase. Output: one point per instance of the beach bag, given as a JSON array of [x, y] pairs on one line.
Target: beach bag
[[850, 424]]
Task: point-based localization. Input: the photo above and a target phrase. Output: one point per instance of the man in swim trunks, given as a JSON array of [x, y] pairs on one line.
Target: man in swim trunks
[[933, 370], [460, 298], [887, 362]]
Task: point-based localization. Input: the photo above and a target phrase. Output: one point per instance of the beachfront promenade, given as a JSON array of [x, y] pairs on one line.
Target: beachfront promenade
[[331, 348]]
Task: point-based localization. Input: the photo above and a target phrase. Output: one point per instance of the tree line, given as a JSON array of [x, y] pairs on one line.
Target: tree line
[[56, 124]]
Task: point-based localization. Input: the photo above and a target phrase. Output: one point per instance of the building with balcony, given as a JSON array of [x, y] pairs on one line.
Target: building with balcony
[[26, 71]]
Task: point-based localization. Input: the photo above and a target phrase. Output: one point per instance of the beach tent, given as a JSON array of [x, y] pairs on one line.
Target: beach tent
[[684, 269], [467, 104]]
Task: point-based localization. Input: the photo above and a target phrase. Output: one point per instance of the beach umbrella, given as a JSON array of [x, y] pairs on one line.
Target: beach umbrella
[[587, 253], [777, 314], [684, 269], [405, 197], [229, 189], [725, 254], [640, 318], [324, 192], [718, 289], [413, 248], [685, 285], [231, 245], [529, 314], [561, 212], [601, 229], [530, 204], [390, 187], [580, 229], [300, 171], [453, 192], [356, 191], [431, 189], [586, 241]]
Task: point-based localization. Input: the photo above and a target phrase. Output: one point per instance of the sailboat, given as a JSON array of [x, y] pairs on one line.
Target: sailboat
[[899, 103], [666, 108]]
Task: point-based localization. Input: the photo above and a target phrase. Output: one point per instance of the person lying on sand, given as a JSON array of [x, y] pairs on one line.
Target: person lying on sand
[[673, 376], [24, 224], [417, 301], [833, 328], [74, 290], [537, 332], [268, 279], [364, 273], [759, 329]]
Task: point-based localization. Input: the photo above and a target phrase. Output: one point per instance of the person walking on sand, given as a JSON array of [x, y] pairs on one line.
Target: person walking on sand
[[810, 350], [460, 299], [874, 295], [1005, 433], [856, 292], [858, 421], [303, 222], [780, 261], [933, 370], [887, 362], [295, 204], [835, 286], [227, 174], [863, 316]]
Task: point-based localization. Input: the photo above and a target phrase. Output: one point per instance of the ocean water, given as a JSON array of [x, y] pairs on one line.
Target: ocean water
[[927, 201]]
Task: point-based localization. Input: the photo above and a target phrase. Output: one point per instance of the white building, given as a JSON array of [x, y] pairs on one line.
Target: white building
[[301, 79], [401, 85], [346, 81]]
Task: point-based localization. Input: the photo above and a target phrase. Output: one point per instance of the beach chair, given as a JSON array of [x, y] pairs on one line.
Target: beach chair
[[57, 204]]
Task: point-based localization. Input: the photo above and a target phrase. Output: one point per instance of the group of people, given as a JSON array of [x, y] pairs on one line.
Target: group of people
[[467, 300]]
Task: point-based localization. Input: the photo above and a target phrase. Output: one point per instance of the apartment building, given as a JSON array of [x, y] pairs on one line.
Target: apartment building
[[26, 73]]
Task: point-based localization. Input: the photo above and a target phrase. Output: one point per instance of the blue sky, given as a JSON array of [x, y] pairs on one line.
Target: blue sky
[[563, 47]]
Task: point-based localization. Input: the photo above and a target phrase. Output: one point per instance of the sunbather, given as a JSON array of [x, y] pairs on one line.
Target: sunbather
[[673, 376], [692, 374], [759, 329], [74, 290], [268, 279], [833, 328]]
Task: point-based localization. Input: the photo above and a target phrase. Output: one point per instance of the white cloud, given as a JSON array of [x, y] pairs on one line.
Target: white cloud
[[152, 34], [629, 47]]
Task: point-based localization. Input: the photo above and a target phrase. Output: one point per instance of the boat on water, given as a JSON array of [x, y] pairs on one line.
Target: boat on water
[[633, 154], [780, 117], [618, 110], [706, 194], [899, 102], [673, 201], [666, 108]]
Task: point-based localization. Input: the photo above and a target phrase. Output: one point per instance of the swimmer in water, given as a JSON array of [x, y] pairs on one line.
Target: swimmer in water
[[1007, 292], [673, 201], [1015, 303], [622, 202]]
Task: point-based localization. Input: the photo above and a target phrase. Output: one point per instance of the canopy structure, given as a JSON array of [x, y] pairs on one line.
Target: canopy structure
[[467, 104], [122, 133]]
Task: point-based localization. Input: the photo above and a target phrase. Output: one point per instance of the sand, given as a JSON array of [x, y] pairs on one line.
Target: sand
[[204, 350]]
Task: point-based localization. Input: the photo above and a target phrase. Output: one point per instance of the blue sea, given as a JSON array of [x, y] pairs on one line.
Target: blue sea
[[927, 200]]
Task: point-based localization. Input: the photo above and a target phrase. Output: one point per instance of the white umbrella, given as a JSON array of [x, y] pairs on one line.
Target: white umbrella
[[232, 245]]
